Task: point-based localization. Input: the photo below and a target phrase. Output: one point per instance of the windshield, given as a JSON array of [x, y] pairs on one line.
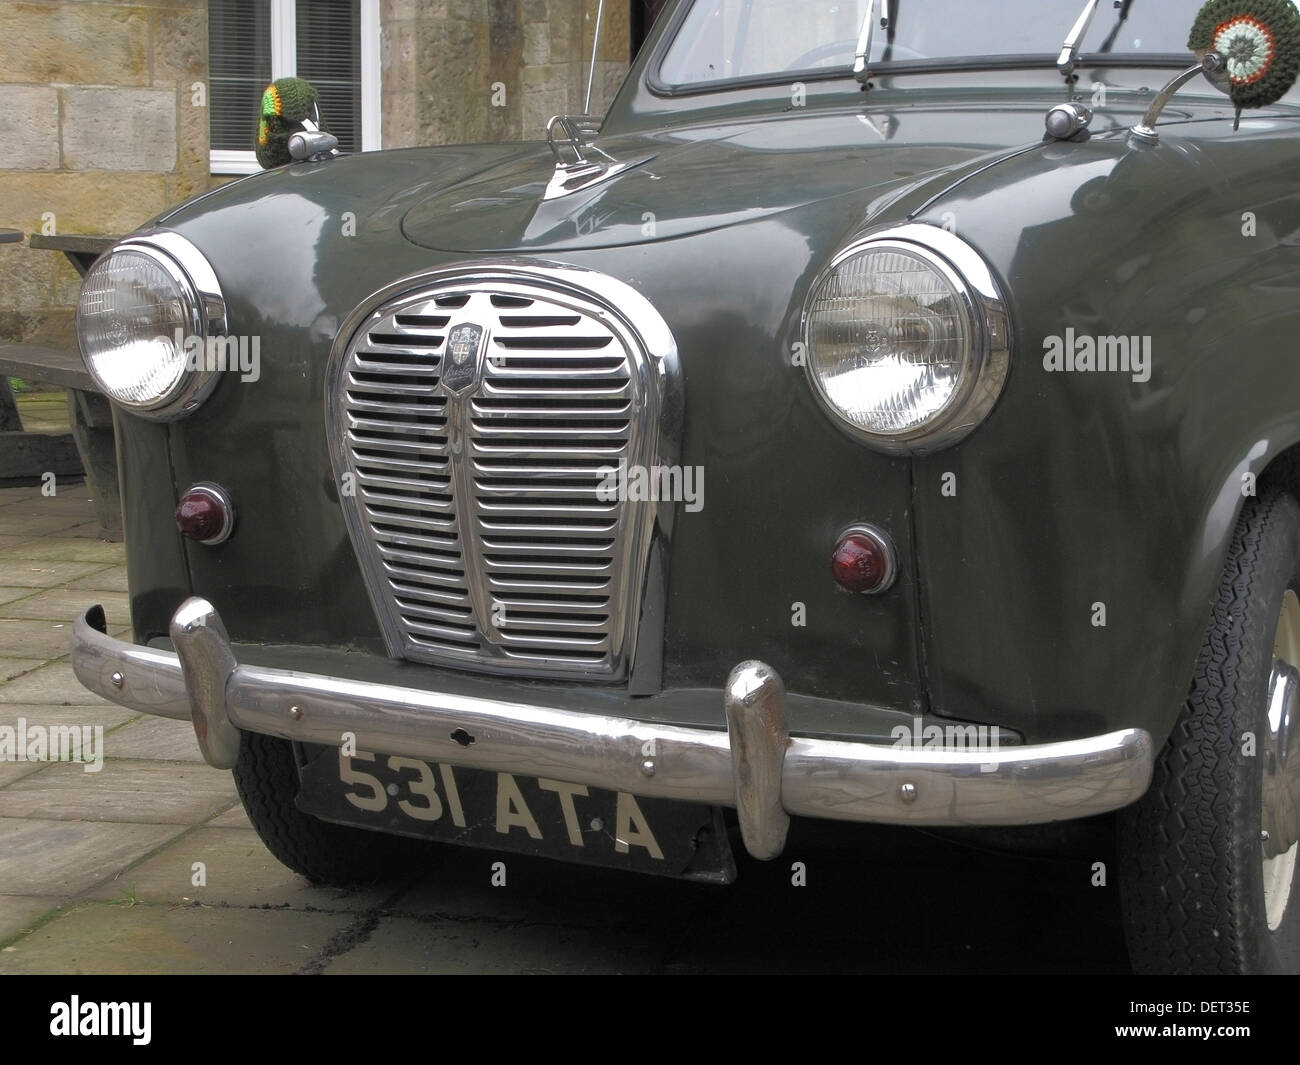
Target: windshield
[[725, 39]]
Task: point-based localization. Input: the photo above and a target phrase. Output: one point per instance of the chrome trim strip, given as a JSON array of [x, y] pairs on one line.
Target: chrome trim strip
[[833, 779], [985, 306]]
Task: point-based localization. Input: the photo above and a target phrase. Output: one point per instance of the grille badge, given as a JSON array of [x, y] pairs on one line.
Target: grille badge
[[464, 348]]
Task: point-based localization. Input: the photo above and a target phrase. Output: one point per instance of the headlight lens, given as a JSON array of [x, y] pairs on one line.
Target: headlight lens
[[141, 319], [904, 346]]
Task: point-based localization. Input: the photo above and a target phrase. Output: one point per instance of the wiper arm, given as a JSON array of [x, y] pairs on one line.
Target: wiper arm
[[1109, 42], [861, 59], [1069, 56]]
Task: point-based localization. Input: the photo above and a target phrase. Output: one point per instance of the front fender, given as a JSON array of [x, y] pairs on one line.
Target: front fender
[[1069, 564]]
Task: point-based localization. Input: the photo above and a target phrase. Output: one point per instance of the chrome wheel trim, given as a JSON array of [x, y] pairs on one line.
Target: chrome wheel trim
[[1281, 776]]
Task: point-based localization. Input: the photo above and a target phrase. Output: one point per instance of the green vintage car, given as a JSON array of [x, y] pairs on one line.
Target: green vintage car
[[885, 413]]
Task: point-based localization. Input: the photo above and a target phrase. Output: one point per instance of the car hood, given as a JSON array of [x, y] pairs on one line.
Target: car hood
[[711, 177]]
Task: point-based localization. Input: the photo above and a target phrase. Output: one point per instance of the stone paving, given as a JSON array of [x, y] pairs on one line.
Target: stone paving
[[97, 869]]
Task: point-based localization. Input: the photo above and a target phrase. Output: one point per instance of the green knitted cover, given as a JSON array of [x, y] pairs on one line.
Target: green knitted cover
[[286, 102], [1259, 39]]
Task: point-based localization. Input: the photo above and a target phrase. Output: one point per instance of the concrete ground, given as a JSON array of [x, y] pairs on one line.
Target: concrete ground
[[99, 870]]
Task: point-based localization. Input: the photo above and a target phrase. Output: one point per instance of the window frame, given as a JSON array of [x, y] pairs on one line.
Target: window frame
[[284, 64]]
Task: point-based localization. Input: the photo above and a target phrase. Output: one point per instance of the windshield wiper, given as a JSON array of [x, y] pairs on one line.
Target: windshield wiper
[[861, 59], [1069, 56], [890, 23], [1109, 42]]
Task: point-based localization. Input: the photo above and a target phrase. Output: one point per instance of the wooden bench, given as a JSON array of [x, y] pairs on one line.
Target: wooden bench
[[89, 449]]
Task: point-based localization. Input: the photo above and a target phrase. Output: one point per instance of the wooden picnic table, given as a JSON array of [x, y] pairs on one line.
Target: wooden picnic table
[[80, 249], [89, 448]]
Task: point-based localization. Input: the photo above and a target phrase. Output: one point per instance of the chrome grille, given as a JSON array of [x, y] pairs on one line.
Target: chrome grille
[[475, 510]]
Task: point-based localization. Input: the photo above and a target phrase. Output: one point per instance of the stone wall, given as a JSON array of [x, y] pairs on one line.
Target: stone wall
[[98, 133], [456, 71], [99, 128]]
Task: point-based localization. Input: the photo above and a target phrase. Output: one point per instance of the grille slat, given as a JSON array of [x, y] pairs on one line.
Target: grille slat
[[478, 505]]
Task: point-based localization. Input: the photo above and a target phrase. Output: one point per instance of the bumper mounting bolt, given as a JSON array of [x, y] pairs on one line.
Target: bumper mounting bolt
[[118, 680], [648, 767], [295, 712], [907, 792]]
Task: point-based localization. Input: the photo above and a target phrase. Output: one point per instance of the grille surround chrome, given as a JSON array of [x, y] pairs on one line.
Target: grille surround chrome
[[460, 633]]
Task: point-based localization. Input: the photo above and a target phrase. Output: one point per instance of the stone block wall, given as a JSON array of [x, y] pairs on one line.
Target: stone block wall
[[99, 132], [100, 128], [456, 71]]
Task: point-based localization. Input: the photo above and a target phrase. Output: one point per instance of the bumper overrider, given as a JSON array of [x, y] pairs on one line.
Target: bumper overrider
[[755, 766]]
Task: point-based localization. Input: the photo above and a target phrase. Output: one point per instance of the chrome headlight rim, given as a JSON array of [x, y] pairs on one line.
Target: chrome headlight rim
[[204, 307], [987, 362]]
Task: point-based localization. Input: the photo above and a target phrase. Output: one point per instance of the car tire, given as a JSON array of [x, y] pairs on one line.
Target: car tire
[[266, 777], [1192, 872]]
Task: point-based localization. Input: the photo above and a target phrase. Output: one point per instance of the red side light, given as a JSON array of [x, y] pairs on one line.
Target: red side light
[[206, 514], [863, 560]]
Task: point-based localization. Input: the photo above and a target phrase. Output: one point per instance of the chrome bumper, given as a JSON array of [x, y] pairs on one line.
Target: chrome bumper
[[754, 766]]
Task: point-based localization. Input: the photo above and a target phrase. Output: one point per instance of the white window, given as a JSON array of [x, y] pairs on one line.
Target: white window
[[334, 44]]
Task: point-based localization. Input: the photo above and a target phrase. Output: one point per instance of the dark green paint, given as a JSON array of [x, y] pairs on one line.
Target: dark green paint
[[1080, 488]]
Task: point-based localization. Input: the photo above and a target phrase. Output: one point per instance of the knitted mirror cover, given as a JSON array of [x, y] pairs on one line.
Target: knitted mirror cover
[[286, 102], [1259, 40]]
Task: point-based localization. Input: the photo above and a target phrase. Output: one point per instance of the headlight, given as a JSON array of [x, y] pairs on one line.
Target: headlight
[[907, 339], [144, 316]]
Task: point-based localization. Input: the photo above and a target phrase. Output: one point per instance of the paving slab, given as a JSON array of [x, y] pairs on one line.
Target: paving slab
[[12, 668], [70, 550], [104, 714], [19, 569], [11, 771], [402, 945], [172, 793], [54, 683], [154, 738], [37, 521], [43, 857], [110, 579], [70, 499], [235, 817], [239, 871], [66, 605], [461, 885], [19, 912], [104, 938], [18, 495], [41, 640], [89, 530]]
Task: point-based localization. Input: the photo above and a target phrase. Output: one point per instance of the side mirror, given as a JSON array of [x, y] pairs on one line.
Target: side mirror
[[1247, 49], [288, 128]]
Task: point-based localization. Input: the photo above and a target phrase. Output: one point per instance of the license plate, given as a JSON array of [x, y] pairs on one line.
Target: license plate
[[509, 812]]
